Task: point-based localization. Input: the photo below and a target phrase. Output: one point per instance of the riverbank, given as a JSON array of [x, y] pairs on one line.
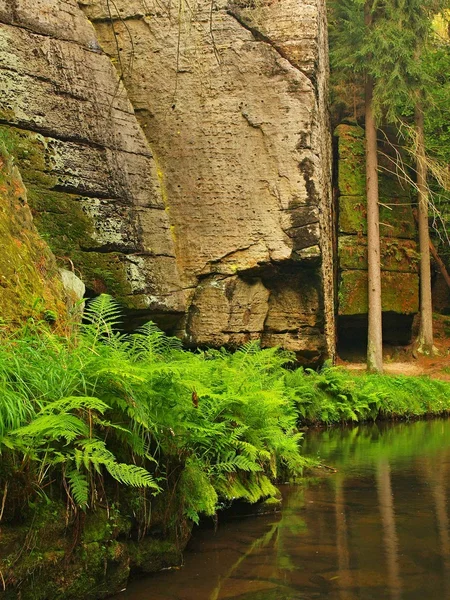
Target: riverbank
[[375, 527], [114, 445]]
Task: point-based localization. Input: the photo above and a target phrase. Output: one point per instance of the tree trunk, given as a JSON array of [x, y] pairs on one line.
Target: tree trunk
[[375, 336], [425, 339]]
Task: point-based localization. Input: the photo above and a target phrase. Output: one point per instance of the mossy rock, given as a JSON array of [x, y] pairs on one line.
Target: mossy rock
[[396, 217], [103, 525], [31, 154], [61, 221], [151, 555], [352, 166], [399, 293], [30, 286], [48, 558], [396, 254], [105, 273]]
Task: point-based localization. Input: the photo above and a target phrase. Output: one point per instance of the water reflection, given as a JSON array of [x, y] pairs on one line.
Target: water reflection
[[390, 539], [378, 528]]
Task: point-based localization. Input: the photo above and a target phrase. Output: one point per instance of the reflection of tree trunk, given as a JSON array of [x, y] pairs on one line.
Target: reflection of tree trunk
[[344, 581], [437, 481], [390, 538]]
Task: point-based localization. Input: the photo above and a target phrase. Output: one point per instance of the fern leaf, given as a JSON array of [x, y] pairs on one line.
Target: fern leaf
[[79, 488], [131, 475]]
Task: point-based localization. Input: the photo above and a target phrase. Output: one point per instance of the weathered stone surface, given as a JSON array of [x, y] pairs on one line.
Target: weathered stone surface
[[75, 291], [399, 249], [227, 310], [94, 185], [396, 217], [399, 292], [207, 197], [396, 254], [29, 280], [236, 115], [352, 172]]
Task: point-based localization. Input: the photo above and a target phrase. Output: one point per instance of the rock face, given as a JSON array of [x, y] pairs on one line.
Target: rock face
[[29, 280], [399, 250], [231, 97], [195, 188], [91, 179]]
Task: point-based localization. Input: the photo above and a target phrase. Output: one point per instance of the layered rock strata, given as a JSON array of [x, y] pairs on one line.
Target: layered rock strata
[[232, 98], [90, 175], [178, 158], [399, 249]]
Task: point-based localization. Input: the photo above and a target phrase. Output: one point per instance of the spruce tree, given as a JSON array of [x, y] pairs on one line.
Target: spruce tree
[[403, 38], [353, 53], [385, 43]]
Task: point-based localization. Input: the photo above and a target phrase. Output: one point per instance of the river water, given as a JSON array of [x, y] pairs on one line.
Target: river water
[[377, 528]]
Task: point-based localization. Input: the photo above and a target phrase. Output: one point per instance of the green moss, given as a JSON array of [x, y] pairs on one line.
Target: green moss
[[30, 152], [104, 272], [396, 220], [103, 525], [352, 167], [29, 281], [151, 555], [397, 229], [399, 293], [352, 177], [396, 254], [43, 559], [61, 221]]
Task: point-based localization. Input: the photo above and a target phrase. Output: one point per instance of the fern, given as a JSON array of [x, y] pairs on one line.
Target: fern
[[107, 405], [102, 316], [79, 488]]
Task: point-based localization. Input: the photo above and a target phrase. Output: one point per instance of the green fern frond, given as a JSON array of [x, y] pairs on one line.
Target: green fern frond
[[101, 315], [70, 403], [52, 427], [131, 475], [79, 488]]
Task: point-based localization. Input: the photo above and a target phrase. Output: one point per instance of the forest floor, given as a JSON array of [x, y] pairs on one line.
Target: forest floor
[[405, 360]]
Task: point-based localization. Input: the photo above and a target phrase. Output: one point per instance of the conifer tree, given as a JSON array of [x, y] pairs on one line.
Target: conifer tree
[[354, 22], [385, 42], [403, 39]]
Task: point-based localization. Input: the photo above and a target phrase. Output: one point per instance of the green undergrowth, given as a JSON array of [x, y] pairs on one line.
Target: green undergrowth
[[127, 439], [335, 395], [79, 416]]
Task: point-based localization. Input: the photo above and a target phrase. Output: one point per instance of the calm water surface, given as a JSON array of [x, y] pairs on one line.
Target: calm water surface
[[377, 529]]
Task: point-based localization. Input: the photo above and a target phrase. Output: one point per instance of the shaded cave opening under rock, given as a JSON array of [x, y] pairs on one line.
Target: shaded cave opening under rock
[[131, 319], [352, 334]]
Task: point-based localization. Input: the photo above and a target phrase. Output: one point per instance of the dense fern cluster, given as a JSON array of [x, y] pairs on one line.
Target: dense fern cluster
[[83, 417], [77, 414], [335, 395]]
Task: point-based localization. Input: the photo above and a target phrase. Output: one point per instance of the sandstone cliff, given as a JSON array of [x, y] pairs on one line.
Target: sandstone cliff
[[91, 179], [179, 157]]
